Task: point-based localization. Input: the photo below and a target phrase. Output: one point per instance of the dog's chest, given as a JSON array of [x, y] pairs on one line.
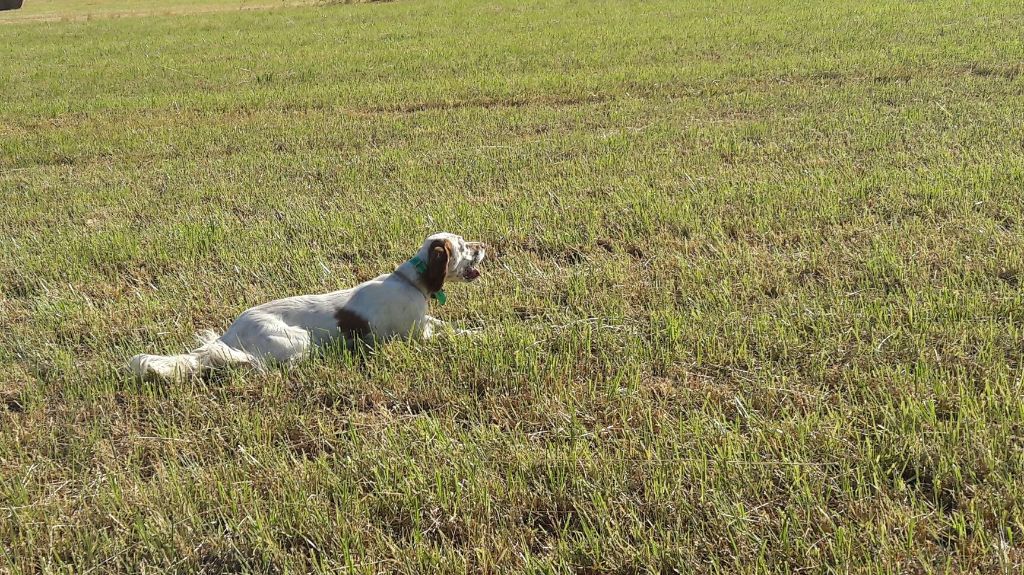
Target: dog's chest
[[380, 310], [396, 317]]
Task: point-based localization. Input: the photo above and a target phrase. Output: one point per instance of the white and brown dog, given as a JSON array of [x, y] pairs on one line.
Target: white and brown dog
[[287, 330]]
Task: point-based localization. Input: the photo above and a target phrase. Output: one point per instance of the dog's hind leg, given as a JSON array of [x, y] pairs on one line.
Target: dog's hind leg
[[284, 343], [271, 340], [290, 345]]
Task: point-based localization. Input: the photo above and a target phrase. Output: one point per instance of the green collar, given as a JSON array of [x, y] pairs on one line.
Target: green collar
[[421, 267]]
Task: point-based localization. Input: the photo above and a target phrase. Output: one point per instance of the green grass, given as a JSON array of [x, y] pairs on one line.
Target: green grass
[[753, 304], [78, 10]]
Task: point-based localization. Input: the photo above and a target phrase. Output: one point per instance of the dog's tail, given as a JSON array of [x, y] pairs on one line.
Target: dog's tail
[[211, 354]]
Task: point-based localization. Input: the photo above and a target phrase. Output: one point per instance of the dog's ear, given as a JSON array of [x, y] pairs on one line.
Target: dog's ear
[[437, 265]]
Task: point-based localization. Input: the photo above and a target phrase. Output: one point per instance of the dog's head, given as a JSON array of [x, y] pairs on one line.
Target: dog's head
[[449, 257]]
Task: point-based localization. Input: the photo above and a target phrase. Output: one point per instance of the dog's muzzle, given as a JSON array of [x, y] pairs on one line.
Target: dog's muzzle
[[471, 272]]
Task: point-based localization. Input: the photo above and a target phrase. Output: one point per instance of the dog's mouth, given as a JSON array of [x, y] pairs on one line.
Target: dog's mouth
[[471, 274]]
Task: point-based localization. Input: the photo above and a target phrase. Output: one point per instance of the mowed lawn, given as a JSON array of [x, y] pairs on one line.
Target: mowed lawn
[[753, 302]]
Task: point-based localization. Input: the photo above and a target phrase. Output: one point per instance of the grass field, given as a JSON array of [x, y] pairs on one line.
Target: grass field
[[754, 301]]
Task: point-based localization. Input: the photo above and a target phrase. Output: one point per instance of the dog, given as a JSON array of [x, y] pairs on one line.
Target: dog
[[287, 330]]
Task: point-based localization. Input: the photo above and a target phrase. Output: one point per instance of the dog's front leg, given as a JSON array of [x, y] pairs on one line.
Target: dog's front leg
[[433, 327]]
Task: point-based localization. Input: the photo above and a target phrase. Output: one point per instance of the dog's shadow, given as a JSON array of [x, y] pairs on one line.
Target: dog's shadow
[[355, 356]]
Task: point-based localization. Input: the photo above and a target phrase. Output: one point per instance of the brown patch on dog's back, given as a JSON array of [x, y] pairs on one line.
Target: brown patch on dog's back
[[351, 324]]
